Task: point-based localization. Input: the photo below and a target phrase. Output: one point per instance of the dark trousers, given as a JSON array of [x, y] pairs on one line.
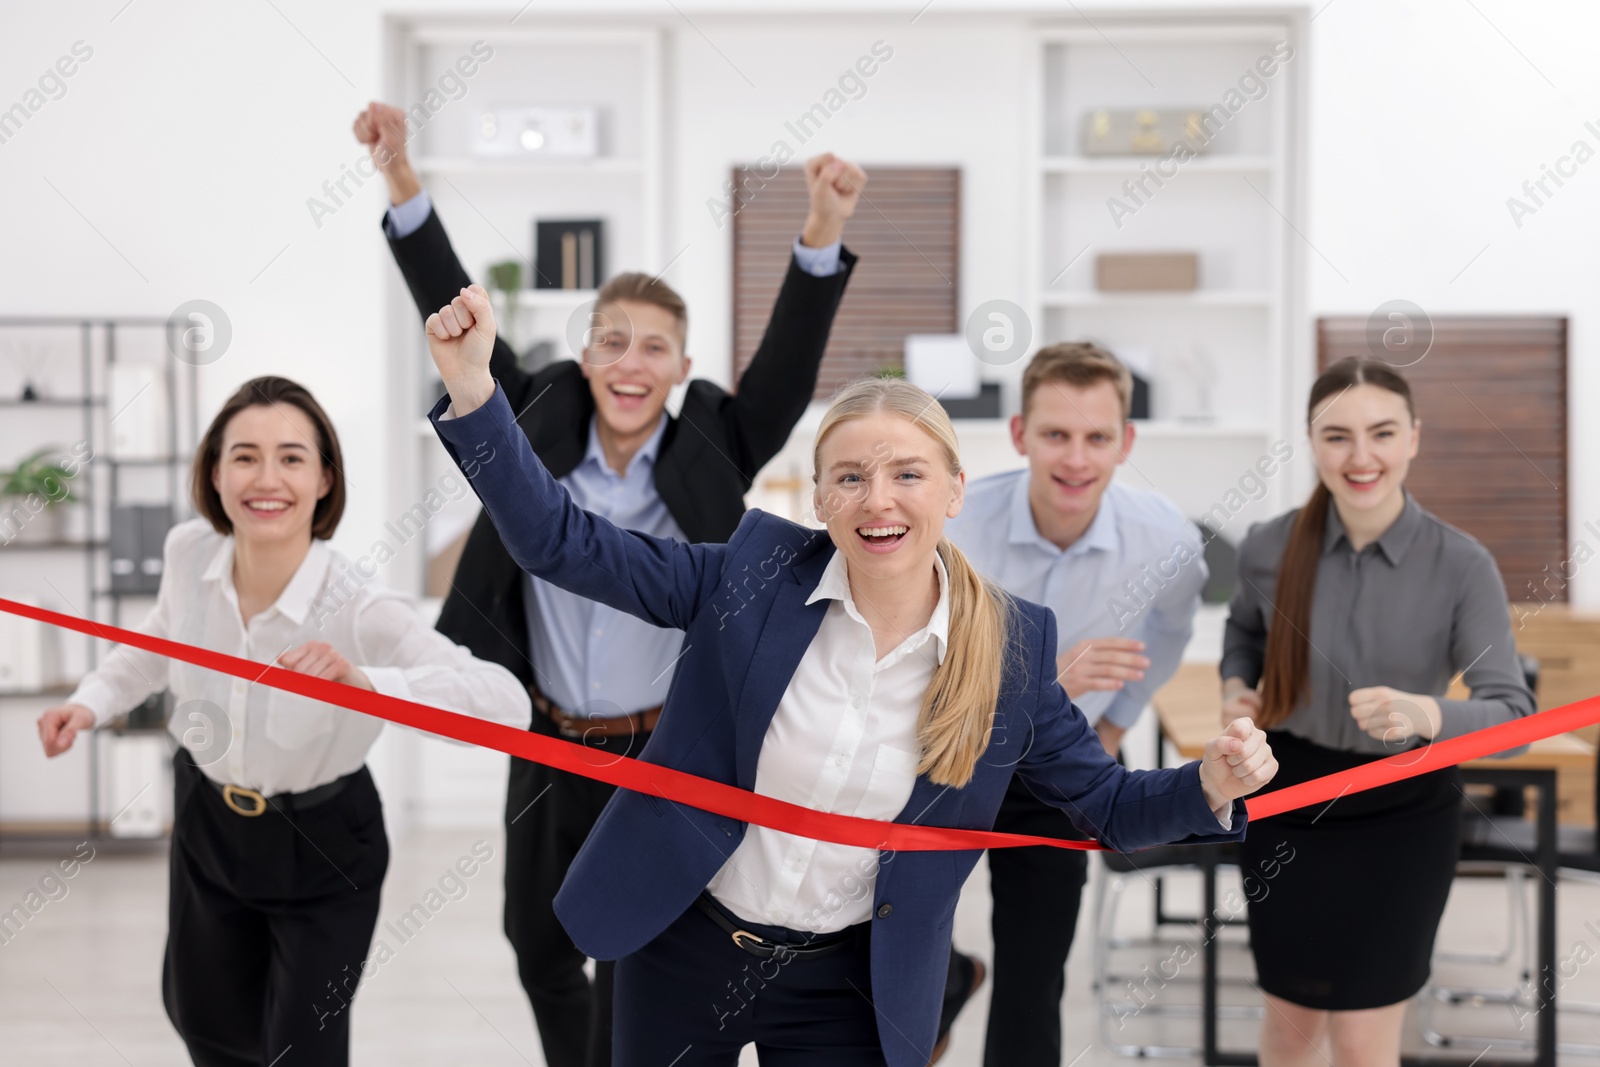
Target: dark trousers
[[1036, 892], [549, 814], [270, 920], [692, 998]]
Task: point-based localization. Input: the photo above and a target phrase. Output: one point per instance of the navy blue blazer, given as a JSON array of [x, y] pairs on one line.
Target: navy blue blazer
[[743, 605]]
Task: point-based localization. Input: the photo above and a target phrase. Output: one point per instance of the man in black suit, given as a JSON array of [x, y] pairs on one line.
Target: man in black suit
[[599, 424]]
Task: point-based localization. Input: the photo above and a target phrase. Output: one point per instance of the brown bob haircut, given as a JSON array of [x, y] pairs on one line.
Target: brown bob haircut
[[1078, 363], [269, 392], [645, 289]]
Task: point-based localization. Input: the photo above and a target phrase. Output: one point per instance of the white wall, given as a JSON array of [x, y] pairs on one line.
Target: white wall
[[189, 143], [193, 137], [1424, 120]]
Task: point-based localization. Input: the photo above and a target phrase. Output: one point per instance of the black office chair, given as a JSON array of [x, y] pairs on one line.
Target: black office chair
[[1152, 863], [1496, 835]]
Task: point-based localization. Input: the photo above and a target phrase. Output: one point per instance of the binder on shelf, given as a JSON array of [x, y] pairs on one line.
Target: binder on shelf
[[138, 534], [30, 658], [138, 405], [568, 254], [138, 791], [155, 521]]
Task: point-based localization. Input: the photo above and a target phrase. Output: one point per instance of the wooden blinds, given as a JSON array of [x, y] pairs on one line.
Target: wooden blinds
[[906, 231], [1491, 392]]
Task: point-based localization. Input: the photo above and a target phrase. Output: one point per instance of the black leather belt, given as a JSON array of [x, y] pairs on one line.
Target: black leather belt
[[232, 794], [764, 949]]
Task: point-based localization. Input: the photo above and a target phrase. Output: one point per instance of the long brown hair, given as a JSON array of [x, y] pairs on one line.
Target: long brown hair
[[957, 713], [269, 392], [1283, 674]]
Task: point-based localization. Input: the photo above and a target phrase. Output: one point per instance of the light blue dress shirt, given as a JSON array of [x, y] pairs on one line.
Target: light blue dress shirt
[[1136, 572], [593, 660]]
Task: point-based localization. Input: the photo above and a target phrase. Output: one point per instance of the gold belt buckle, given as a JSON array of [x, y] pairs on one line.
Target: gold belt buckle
[[230, 791], [737, 934]]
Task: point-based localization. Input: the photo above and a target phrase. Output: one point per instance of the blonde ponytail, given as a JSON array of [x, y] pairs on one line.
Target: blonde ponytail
[[958, 707]]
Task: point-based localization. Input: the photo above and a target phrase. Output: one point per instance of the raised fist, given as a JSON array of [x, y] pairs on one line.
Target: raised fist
[[835, 187], [461, 341]]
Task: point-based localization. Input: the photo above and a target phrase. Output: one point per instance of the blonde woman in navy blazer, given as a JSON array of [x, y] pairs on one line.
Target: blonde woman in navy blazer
[[728, 934]]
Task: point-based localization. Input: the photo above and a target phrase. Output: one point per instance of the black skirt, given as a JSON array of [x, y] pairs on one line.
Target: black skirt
[[1345, 897]]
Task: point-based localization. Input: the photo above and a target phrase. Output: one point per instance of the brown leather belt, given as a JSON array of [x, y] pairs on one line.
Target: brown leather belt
[[632, 724]]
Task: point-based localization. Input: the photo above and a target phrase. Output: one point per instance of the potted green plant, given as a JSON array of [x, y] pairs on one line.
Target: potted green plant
[[31, 497], [505, 278]]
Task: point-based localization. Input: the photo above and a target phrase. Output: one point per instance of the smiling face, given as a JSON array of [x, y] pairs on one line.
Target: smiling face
[[634, 356], [884, 490], [269, 475], [1363, 441], [1074, 437]]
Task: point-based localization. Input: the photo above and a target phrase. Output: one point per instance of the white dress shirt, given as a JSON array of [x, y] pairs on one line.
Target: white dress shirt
[[263, 738], [843, 740]]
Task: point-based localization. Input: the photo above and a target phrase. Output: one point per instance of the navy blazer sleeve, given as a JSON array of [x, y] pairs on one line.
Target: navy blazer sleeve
[[658, 579], [1068, 767]]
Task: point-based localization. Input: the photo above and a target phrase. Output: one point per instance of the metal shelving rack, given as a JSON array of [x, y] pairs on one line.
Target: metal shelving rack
[[95, 421]]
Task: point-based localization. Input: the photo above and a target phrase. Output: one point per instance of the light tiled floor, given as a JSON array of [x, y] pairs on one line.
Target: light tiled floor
[[80, 983]]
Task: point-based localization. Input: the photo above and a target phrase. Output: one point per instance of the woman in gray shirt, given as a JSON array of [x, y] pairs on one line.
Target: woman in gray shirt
[[1353, 614]]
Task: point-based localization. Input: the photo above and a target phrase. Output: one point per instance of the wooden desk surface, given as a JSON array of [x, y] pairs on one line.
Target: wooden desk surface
[[1189, 708]]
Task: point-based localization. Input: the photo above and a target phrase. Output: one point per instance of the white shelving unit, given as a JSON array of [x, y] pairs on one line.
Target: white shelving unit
[[1130, 165], [1234, 206], [490, 206]]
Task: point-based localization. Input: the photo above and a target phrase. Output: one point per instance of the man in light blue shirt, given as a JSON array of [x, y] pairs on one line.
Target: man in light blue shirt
[[1122, 569]]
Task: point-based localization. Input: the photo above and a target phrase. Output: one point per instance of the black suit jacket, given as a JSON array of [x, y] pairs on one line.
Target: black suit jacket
[[709, 455]]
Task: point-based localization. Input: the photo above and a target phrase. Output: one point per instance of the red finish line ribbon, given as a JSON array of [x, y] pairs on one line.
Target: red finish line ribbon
[[734, 803]]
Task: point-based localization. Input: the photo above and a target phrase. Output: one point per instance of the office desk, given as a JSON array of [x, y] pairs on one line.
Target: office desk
[[1189, 710]]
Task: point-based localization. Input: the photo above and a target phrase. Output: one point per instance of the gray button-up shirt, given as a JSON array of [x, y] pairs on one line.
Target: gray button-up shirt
[[1409, 611]]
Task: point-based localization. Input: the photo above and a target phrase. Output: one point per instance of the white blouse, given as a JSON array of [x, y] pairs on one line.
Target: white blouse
[[263, 738], [843, 740]]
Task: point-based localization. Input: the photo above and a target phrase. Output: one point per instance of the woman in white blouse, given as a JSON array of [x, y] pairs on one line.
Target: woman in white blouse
[[278, 844]]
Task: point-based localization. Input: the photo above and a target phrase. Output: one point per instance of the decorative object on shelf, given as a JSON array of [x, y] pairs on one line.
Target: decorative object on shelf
[[942, 364], [31, 495], [555, 132], [138, 405], [568, 254], [138, 534], [505, 280], [890, 371], [30, 362], [1193, 374], [1145, 272], [506, 276], [30, 652], [1144, 132]]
